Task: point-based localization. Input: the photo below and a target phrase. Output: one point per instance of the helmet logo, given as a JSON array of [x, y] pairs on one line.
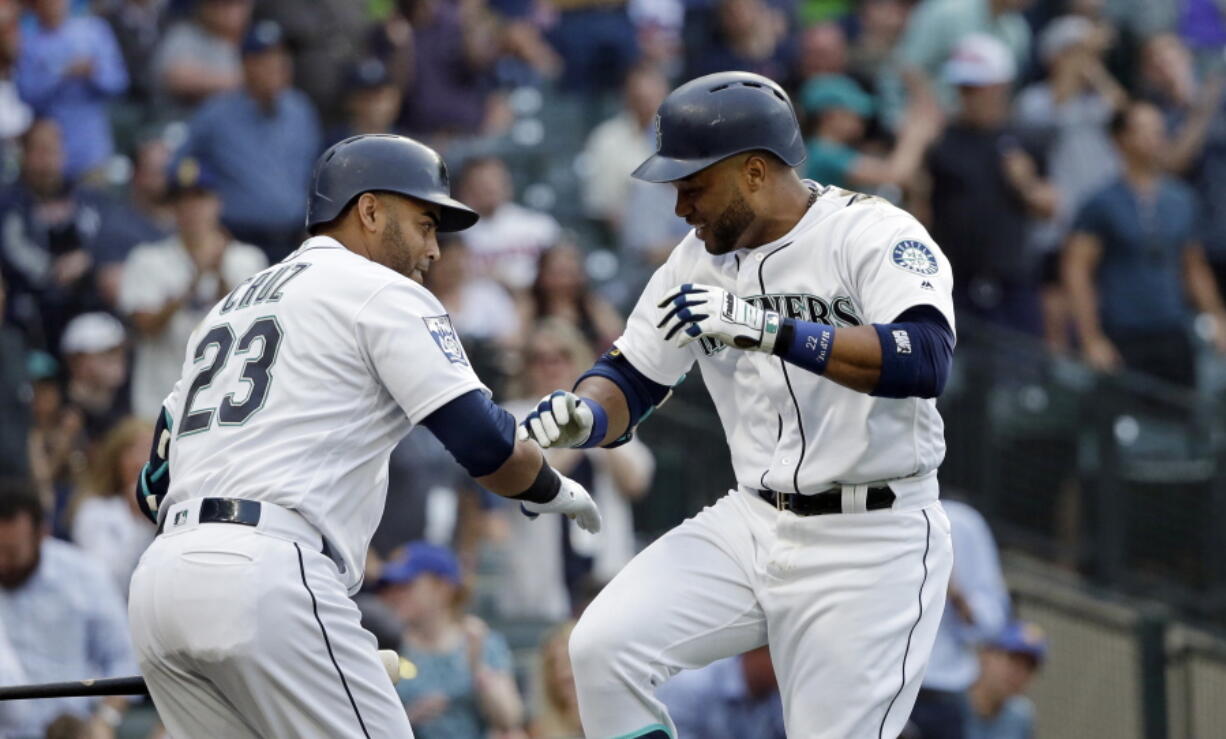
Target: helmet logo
[[659, 133]]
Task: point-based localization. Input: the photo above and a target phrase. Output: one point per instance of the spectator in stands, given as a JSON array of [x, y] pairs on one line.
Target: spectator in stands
[[1196, 124], [199, 58], [976, 611], [508, 240], [63, 616], [986, 188], [544, 572], [106, 523], [143, 217], [561, 290], [169, 286], [326, 43], [69, 68], [997, 707], [57, 436], [597, 42], [95, 351], [1134, 262], [15, 114], [750, 35], [614, 146], [260, 142], [879, 25], [555, 713], [727, 699], [480, 308], [450, 69], [49, 228], [16, 394], [1070, 109], [372, 101], [464, 686], [840, 110], [821, 51], [138, 26]]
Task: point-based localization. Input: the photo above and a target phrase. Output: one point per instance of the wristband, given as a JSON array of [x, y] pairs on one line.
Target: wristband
[[544, 488], [600, 424], [805, 344]]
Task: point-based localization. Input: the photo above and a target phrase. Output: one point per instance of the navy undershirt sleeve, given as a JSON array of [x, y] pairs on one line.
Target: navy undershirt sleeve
[[642, 394], [478, 433], [916, 351]]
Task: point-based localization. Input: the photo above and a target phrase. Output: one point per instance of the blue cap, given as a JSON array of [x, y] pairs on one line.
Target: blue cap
[[1022, 637], [368, 74], [835, 91], [262, 36], [421, 558], [187, 174]]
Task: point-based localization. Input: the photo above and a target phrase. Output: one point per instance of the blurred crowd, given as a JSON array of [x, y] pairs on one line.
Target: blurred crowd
[[1067, 155]]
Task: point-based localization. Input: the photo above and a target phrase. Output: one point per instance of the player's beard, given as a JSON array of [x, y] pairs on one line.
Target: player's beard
[[15, 578], [730, 225], [396, 250]]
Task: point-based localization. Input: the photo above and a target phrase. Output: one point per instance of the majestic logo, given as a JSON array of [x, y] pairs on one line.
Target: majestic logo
[[913, 256], [926, 285], [445, 336]]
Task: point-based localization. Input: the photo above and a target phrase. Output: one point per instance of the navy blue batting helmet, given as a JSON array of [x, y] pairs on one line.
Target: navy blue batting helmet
[[714, 117], [382, 163]]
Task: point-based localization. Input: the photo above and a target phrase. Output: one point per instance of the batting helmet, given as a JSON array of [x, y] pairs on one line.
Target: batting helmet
[[719, 115], [382, 163]]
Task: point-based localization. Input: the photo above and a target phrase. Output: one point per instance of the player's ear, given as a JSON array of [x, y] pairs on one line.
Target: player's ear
[[753, 172], [368, 209]]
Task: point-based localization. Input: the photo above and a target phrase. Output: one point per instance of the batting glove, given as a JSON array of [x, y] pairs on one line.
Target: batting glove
[[572, 501], [561, 419], [693, 311]]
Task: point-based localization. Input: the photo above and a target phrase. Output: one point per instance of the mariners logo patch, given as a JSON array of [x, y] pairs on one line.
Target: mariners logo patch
[[915, 257], [445, 336]]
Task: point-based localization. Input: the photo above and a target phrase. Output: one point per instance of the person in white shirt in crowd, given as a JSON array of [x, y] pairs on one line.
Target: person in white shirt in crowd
[[506, 243], [544, 573], [95, 351], [480, 308], [168, 286], [200, 57], [106, 523], [977, 610]]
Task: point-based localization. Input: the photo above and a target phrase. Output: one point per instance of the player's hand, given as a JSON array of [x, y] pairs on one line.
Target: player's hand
[[572, 501], [693, 311], [561, 419]]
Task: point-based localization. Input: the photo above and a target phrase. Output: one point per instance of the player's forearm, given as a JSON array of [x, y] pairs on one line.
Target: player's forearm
[[518, 473], [855, 359], [609, 396]]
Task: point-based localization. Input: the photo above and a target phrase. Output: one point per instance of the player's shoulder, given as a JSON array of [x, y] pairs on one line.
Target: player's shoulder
[[852, 217]]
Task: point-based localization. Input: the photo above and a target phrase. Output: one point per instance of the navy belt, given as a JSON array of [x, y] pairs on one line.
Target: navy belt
[[827, 501], [247, 513]]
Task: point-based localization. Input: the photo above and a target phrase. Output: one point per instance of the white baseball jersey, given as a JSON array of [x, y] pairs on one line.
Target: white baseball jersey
[[851, 260], [296, 387]]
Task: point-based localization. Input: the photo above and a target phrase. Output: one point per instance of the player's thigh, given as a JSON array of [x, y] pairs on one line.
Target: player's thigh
[[189, 706], [317, 671], [684, 601], [852, 619]]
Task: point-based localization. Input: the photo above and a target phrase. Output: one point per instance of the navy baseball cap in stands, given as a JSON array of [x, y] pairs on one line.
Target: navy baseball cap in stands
[[262, 36], [1022, 637], [421, 558], [187, 174], [368, 74]]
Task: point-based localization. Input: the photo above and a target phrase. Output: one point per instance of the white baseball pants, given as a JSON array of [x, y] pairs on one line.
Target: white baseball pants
[[248, 632], [849, 604]]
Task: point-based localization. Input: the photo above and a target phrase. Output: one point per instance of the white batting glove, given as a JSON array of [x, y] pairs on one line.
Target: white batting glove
[[561, 419], [572, 501], [693, 311]]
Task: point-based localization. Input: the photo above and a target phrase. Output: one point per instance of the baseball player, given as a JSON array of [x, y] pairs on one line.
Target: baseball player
[[269, 469], [823, 324]]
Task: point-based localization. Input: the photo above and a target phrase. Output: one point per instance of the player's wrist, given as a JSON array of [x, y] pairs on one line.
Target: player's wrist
[[807, 344], [772, 323], [544, 487], [600, 424]]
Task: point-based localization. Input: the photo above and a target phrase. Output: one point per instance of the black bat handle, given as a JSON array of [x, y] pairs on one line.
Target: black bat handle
[[104, 686]]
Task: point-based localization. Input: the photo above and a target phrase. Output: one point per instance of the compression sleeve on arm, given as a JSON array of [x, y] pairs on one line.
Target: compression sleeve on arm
[[642, 394], [479, 434], [916, 350], [154, 480]]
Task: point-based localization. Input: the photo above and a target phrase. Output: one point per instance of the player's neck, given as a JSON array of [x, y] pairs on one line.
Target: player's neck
[[783, 211]]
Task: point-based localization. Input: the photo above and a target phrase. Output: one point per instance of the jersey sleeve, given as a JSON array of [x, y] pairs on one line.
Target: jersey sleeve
[[896, 265], [643, 344], [411, 346]]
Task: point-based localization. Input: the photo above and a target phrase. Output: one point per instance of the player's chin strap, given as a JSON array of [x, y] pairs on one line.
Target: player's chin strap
[[154, 479], [643, 395]]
